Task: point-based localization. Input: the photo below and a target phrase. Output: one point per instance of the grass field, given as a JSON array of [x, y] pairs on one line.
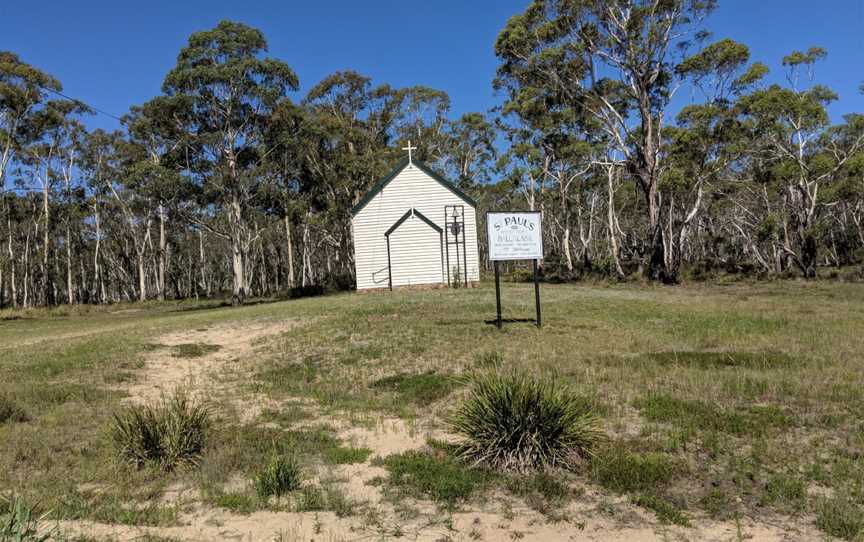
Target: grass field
[[732, 412]]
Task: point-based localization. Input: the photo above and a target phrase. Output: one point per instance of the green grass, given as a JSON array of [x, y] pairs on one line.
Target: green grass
[[624, 471], [666, 512], [437, 477], [738, 400], [281, 475], [689, 413], [420, 389], [840, 518], [237, 502], [784, 492], [346, 455]]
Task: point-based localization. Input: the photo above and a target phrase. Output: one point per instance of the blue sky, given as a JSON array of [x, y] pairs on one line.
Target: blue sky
[[113, 54]]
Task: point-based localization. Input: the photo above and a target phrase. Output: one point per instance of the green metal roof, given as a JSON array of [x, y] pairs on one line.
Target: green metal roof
[[379, 186]]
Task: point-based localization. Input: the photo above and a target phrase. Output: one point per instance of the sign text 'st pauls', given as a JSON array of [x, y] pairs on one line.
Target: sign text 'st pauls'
[[514, 236]]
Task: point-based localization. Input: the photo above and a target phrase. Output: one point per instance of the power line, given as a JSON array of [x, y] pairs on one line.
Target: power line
[[107, 114]]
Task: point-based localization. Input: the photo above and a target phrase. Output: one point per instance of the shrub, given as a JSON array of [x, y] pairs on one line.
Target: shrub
[[512, 421], [11, 412], [281, 475], [19, 523], [169, 434]]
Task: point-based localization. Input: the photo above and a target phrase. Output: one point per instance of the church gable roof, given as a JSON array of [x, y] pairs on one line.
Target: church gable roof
[[379, 186]]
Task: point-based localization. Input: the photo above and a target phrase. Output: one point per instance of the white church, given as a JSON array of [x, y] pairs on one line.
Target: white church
[[415, 228]]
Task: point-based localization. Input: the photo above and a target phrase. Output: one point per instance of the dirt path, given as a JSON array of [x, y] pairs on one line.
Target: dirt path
[[207, 362]]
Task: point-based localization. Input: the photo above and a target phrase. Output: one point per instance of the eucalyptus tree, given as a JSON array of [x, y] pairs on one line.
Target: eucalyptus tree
[[99, 167], [232, 88], [470, 152], [50, 148], [616, 59], [22, 91], [422, 119], [157, 152], [800, 151], [350, 127], [708, 140]]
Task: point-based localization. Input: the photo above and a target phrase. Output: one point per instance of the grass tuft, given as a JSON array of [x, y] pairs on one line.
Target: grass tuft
[[10, 412], [785, 493], [280, 476], [666, 511], [515, 422], [19, 522], [840, 518], [170, 434]]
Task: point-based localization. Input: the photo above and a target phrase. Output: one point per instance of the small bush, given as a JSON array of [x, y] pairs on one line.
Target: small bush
[[19, 522], [623, 471], [282, 475], [170, 434], [513, 421], [11, 412], [841, 518]]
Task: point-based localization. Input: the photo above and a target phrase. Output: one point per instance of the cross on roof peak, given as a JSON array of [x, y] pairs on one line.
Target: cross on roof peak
[[409, 148]]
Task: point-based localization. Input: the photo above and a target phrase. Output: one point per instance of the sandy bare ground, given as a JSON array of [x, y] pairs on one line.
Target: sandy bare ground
[[592, 517], [211, 376]]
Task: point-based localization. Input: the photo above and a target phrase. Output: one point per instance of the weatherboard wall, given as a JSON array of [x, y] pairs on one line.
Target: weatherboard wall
[[415, 247]]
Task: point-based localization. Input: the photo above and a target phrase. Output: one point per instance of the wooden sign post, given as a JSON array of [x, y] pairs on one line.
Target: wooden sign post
[[515, 235]]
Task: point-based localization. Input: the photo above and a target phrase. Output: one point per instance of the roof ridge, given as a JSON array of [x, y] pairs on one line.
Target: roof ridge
[[403, 163]]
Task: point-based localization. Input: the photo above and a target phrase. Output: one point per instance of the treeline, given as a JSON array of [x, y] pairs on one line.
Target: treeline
[[227, 182]]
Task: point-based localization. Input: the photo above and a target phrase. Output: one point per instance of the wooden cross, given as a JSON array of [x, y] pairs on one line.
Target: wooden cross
[[409, 148]]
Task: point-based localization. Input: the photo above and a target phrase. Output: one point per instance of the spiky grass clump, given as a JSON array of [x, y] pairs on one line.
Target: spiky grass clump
[[280, 476], [513, 421], [19, 521], [170, 434]]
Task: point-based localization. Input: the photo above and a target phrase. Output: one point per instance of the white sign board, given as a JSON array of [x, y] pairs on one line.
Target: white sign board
[[514, 236]]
